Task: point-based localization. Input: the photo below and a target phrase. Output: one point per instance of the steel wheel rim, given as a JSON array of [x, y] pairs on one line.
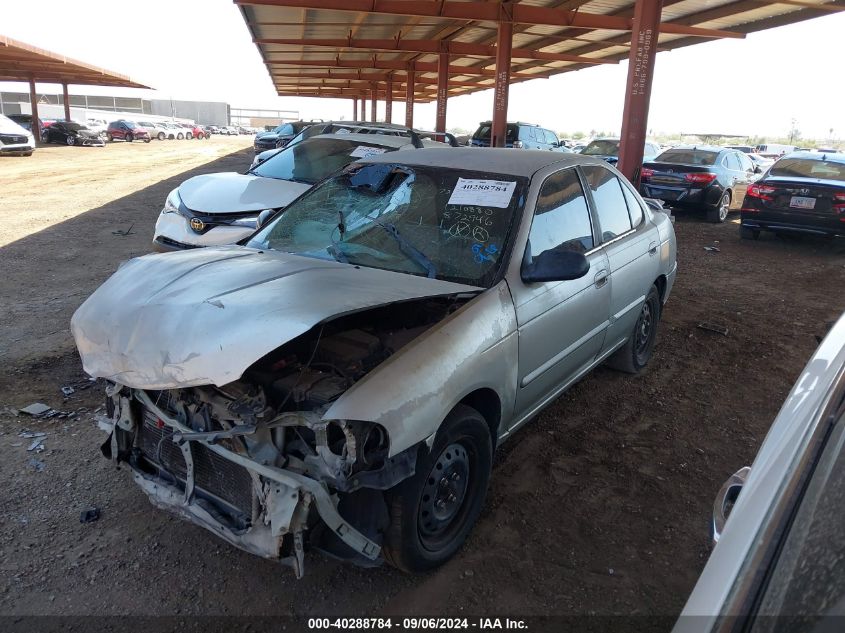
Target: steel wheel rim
[[444, 495], [643, 330], [70, 140]]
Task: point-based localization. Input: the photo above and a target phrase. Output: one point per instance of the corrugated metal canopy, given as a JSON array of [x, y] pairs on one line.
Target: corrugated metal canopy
[[22, 62], [338, 48]]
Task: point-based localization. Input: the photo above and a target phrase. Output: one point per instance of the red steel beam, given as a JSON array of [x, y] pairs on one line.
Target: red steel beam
[[442, 92], [398, 64], [409, 99], [503, 80], [490, 12], [429, 46], [380, 77], [638, 88]]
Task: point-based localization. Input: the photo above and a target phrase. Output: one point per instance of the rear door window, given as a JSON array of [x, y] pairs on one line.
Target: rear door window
[[609, 201]]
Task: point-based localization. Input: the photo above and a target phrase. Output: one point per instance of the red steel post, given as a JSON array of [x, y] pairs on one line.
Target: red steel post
[[503, 80], [646, 28], [66, 98], [33, 104], [374, 102], [388, 102], [442, 91], [409, 99]]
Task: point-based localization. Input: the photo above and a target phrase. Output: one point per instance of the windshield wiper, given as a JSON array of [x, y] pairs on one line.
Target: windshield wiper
[[409, 249]]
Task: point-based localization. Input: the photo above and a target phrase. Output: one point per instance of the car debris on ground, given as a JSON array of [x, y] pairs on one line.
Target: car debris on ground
[[712, 327], [89, 515]]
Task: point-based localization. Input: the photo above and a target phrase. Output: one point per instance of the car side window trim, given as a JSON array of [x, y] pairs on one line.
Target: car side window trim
[[594, 213]]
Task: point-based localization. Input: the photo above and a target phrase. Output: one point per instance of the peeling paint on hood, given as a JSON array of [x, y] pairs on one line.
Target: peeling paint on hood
[[234, 192], [204, 316]]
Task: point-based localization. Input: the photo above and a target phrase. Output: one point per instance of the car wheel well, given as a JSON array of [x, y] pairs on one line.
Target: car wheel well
[[660, 282], [488, 404]]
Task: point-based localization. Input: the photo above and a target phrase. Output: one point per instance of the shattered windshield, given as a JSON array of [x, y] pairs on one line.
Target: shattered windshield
[[313, 159], [443, 223]]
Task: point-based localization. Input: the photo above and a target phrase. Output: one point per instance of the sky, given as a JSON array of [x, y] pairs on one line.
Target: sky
[[201, 50]]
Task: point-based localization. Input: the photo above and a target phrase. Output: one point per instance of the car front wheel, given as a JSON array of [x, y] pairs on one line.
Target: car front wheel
[[70, 140], [129, 138], [161, 136], [634, 355], [433, 512]]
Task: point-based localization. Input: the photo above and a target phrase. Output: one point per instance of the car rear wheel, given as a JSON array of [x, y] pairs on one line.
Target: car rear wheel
[[720, 213], [129, 138], [189, 136], [109, 138], [433, 512], [161, 136], [180, 136], [634, 355], [147, 140], [749, 234], [70, 140]]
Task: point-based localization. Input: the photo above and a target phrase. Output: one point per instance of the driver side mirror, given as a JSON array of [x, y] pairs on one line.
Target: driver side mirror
[[555, 265], [264, 217]]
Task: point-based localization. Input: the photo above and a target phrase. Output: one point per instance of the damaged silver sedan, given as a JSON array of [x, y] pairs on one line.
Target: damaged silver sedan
[[340, 381]]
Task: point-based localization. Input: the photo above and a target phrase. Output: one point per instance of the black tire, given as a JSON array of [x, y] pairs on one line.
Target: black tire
[[129, 138], [147, 140], [746, 233], [634, 355], [70, 140], [161, 136], [45, 138], [109, 138], [719, 213], [189, 135], [180, 136], [462, 457]]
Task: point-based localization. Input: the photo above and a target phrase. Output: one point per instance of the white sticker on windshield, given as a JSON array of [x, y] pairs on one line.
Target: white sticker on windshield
[[484, 193], [362, 151]]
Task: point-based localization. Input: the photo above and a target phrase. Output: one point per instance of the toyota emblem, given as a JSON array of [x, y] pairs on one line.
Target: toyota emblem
[[197, 224]]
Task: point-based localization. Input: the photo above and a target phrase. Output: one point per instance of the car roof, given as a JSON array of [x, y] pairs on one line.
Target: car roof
[[837, 157], [702, 146], [385, 140], [497, 160]]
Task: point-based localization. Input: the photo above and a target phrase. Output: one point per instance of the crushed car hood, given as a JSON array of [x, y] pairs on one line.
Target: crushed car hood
[[204, 316], [236, 193]]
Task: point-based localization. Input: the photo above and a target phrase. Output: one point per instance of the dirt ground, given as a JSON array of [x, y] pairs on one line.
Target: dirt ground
[[600, 507]]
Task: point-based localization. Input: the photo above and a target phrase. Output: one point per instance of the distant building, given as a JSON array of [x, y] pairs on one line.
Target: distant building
[[83, 107]]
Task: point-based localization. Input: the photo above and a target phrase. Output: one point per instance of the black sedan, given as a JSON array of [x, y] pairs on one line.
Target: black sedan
[[803, 192], [278, 137], [70, 133], [706, 177]]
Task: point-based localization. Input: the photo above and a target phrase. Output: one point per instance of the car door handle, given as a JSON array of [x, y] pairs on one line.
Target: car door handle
[[600, 279], [652, 248]]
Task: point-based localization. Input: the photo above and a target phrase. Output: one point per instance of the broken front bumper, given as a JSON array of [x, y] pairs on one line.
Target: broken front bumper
[[280, 500]]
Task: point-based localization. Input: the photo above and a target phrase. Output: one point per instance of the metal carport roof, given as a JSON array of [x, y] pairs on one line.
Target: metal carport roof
[[22, 62], [342, 48]]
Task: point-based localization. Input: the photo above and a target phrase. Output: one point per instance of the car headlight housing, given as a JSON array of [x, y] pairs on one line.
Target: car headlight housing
[[173, 202]]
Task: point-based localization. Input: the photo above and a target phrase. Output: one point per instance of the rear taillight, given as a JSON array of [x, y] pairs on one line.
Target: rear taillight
[[839, 204], [700, 177], [646, 173], [764, 192]]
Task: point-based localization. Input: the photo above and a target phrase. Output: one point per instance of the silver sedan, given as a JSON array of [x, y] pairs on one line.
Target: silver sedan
[[341, 379]]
